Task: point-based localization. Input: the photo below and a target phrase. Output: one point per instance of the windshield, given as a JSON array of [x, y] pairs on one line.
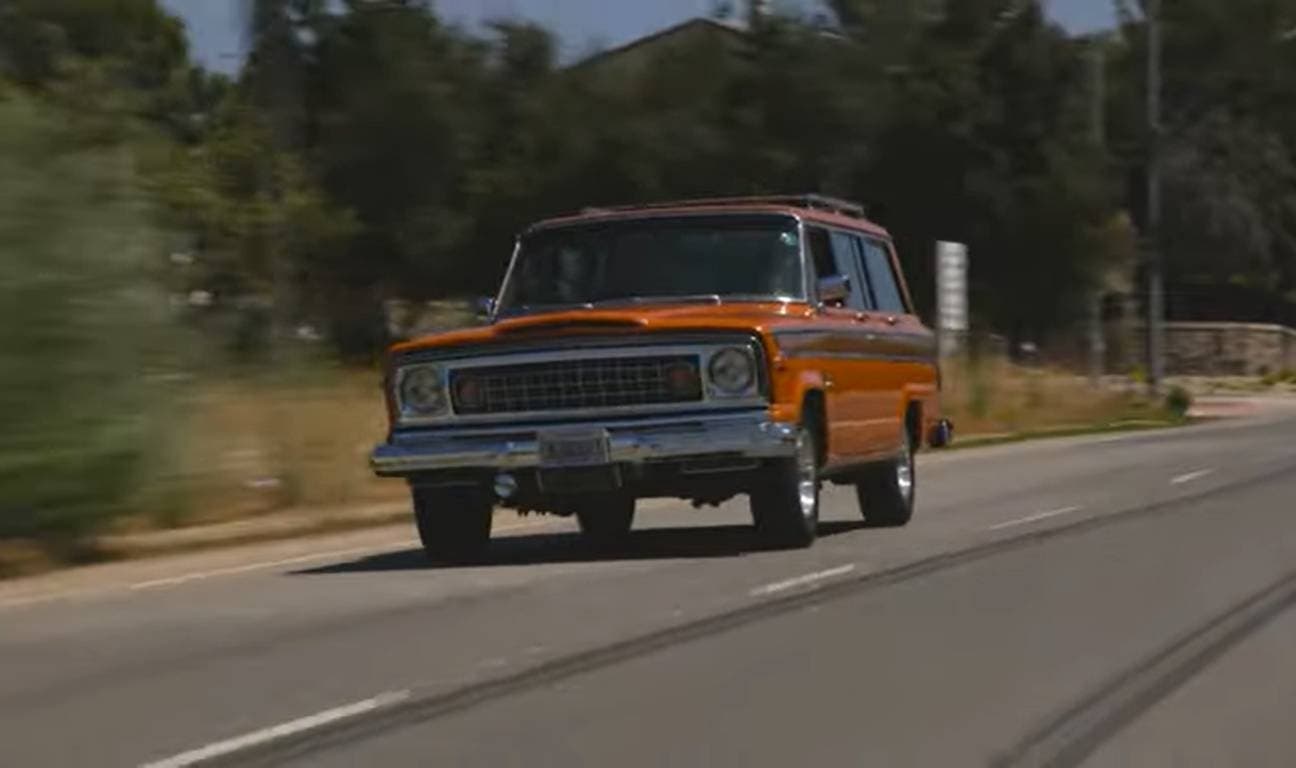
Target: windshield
[[736, 257]]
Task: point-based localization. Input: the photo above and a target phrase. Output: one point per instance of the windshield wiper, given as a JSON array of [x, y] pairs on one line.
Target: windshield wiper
[[704, 298], [522, 309]]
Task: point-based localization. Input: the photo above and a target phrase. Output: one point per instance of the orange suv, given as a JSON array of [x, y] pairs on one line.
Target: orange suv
[[696, 350]]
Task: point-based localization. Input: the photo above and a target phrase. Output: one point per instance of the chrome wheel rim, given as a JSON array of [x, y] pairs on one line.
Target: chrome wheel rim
[[807, 476], [904, 470]]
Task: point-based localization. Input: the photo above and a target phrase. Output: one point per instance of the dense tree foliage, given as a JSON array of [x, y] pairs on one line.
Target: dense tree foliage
[[367, 151]]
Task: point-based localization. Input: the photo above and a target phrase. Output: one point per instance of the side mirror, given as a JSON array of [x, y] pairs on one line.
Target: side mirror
[[483, 308], [834, 289]]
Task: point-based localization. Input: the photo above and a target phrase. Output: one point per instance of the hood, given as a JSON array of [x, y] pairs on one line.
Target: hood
[[738, 316]]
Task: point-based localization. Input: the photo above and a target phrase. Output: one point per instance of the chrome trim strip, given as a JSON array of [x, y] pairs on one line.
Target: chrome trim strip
[[871, 334], [677, 419], [750, 435], [815, 355], [857, 344], [583, 413]]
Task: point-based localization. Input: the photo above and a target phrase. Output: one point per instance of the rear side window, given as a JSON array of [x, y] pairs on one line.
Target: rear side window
[[882, 278]]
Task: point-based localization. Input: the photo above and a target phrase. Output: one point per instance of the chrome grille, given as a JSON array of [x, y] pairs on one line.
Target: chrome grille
[[571, 384]]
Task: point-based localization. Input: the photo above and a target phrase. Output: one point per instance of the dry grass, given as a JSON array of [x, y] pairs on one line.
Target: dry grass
[[256, 445], [995, 397], [250, 446]]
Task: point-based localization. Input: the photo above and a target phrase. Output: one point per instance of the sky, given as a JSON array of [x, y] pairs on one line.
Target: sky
[[215, 26]]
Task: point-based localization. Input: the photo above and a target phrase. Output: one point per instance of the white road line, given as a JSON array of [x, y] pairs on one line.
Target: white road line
[[800, 581], [1035, 518], [1191, 476], [290, 728], [184, 578], [172, 581]]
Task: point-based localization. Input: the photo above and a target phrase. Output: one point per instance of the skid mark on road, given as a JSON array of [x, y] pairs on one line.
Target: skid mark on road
[[1075, 734]]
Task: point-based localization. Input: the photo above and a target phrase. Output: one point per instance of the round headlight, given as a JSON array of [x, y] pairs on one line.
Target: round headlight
[[422, 392], [732, 371]]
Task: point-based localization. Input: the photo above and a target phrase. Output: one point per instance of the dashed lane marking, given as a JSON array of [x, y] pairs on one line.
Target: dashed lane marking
[[1035, 518], [801, 581], [273, 733]]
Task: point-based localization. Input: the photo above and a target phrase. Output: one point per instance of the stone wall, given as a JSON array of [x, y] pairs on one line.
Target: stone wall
[[1219, 349]]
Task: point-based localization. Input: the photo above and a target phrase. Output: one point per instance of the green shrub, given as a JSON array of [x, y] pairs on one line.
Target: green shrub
[[1178, 401]]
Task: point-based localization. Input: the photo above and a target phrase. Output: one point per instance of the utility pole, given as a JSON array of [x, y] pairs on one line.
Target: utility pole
[[1098, 95], [1152, 233]]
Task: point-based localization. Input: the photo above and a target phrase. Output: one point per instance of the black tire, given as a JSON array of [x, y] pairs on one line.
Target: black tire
[[784, 517], [606, 520], [885, 497], [454, 524]]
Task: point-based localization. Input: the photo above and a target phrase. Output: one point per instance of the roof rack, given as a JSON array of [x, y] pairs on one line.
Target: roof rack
[[815, 202]]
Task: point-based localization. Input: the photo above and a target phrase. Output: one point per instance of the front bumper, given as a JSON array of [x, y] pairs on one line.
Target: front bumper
[[748, 434]]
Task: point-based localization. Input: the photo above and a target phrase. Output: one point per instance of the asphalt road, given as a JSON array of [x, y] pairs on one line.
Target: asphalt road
[[1120, 600]]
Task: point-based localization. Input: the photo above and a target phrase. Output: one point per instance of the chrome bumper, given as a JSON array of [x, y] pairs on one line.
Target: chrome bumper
[[751, 435]]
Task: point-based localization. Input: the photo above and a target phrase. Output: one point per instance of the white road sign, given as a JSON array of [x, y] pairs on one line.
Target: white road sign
[[952, 286], [951, 297]]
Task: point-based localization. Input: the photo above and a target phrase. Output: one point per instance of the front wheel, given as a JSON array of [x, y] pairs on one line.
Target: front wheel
[[454, 524], [886, 492], [785, 501]]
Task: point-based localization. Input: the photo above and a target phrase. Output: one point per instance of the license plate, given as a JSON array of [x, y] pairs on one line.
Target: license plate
[[580, 449]]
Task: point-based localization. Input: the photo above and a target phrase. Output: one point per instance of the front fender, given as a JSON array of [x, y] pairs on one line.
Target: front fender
[[791, 384]]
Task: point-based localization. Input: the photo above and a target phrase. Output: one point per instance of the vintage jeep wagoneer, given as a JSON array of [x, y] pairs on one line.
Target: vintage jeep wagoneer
[[695, 350]]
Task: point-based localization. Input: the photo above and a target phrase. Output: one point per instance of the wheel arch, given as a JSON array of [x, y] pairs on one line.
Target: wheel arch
[[814, 414], [913, 422]]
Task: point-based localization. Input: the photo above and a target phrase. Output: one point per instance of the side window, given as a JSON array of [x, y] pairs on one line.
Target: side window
[[821, 253], [882, 278], [847, 260]]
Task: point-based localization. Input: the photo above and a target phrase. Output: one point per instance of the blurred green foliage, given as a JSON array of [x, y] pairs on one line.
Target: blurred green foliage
[[86, 337]]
